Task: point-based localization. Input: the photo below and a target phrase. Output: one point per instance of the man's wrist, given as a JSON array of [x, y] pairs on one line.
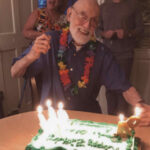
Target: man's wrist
[[29, 58], [141, 101]]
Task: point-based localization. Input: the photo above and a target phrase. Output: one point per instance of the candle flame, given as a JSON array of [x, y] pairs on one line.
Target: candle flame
[[39, 109], [138, 111], [121, 117], [60, 105], [49, 103]]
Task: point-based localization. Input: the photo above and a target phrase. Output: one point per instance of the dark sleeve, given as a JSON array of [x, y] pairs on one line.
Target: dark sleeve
[[34, 68], [22, 55], [112, 75]]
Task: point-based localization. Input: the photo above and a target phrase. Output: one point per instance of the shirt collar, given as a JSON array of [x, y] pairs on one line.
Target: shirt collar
[[70, 39]]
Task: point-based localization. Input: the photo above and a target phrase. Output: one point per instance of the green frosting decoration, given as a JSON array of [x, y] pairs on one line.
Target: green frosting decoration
[[77, 142]]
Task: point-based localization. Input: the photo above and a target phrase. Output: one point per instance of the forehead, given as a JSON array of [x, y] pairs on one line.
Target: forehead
[[88, 8]]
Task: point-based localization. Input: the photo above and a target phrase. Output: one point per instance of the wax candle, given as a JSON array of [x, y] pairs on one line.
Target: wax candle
[[43, 121], [134, 120], [51, 111], [62, 114], [123, 129], [52, 123], [62, 119]]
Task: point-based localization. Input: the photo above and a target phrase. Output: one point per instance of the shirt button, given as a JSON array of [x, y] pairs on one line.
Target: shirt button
[[71, 69]]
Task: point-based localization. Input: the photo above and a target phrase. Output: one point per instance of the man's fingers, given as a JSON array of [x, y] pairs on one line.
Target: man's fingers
[[42, 42], [41, 49], [39, 46], [43, 37]]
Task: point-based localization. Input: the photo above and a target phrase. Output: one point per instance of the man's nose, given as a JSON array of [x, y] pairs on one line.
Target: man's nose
[[87, 24]]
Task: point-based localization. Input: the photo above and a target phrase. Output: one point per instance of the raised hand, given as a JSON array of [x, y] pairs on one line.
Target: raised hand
[[41, 46]]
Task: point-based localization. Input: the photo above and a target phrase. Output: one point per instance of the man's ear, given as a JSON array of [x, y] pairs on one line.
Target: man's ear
[[69, 11]]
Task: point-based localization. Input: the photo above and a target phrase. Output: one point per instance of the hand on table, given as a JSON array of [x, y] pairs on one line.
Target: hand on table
[[145, 116]]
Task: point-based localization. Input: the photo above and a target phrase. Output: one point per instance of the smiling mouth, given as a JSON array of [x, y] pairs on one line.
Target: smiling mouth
[[84, 32]]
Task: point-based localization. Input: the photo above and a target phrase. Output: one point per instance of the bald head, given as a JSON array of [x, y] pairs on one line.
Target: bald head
[[83, 17], [91, 5]]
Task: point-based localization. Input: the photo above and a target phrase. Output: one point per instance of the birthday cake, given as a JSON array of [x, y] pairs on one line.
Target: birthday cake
[[82, 135]]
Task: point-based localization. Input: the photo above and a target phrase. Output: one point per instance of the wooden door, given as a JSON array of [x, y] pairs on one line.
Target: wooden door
[[13, 15]]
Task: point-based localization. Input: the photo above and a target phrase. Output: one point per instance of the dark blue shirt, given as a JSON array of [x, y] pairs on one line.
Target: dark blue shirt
[[105, 71]]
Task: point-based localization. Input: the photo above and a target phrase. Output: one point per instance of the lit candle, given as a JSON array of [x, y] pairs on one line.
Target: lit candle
[[123, 128], [52, 123], [62, 119], [62, 114], [134, 120], [43, 121], [138, 111], [51, 111]]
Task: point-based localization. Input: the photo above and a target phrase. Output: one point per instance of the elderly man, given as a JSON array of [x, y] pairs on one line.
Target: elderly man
[[76, 65]]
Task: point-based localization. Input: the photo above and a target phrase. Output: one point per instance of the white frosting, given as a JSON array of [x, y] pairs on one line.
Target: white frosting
[[72, 132]]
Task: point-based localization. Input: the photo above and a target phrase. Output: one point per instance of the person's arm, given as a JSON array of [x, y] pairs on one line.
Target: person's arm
[[41, 45], [28, 30], [133, 98], [19, 68], [114, 78]]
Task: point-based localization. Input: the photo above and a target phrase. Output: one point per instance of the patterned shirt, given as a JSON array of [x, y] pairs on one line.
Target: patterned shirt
[[43, 22]]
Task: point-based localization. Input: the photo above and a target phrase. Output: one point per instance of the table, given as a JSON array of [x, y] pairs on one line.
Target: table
[[17, 131]]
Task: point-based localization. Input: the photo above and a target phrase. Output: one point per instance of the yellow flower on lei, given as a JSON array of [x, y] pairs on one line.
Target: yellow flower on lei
[[93, 38], [65, 29], [61, 65], [81, 84]]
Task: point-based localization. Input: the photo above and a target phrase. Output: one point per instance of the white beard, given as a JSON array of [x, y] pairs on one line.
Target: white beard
[[80, 37]]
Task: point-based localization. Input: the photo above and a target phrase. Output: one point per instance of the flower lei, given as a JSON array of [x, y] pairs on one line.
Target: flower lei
[[64, 71]]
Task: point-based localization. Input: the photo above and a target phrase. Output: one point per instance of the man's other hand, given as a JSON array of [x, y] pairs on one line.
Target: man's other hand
[[145, 115]]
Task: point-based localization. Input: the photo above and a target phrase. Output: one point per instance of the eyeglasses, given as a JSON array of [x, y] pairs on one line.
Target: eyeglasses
[[83, 18]]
